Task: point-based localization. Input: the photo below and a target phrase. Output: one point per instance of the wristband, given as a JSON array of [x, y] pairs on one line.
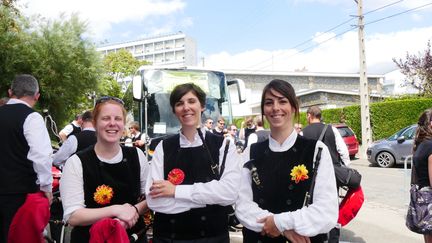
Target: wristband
[[136, 209]]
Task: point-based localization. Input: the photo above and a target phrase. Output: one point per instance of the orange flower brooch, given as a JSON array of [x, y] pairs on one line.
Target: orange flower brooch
[[103, 194], [299, 173], [176, 176]]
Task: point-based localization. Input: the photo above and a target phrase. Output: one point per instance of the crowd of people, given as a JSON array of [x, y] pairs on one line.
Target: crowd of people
[[280, 180]]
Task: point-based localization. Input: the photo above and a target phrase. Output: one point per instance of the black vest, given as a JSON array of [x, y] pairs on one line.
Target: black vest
[[16, 171], [75, 130], [277, 192], [209, 221], [313, 131], [247, 132], [85, 139], [123, 178]]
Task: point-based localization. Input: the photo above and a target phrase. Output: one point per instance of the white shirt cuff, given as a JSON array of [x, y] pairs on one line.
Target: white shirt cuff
[[283, 222], [183, 192]]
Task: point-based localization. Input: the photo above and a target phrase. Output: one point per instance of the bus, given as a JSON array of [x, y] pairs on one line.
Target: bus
[[151, 88]]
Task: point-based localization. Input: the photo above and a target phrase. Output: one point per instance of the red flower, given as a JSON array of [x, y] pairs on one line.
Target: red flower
[[176, 176]]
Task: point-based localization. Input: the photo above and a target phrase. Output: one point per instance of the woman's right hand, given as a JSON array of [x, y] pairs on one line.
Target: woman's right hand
[[127, 214], [294, 237]]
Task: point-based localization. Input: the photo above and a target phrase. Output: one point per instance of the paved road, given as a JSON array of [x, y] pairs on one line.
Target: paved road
[[382, 217]]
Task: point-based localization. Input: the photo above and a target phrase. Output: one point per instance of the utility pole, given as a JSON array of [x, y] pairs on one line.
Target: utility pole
[[364, 89]]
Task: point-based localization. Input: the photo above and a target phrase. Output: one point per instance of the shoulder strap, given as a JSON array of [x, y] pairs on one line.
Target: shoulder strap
[[214, 166], [323, 132], [308, 196], [224, 157]]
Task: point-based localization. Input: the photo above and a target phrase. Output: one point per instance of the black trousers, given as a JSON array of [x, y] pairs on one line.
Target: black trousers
[[10, 203], [217, 239]]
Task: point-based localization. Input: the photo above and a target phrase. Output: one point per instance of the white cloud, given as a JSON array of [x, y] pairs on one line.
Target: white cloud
[[102, 14], [336, 55]]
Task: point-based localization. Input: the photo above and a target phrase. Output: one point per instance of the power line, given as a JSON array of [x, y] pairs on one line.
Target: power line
[[397, 14], [322, 33], [385, 6]]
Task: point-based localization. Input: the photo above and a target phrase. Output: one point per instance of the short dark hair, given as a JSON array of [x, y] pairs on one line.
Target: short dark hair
[[285, 89], [24, 85], [87, 116], [314, 111], [180, 90]]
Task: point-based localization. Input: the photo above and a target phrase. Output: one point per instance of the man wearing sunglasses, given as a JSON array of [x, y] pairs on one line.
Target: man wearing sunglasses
[[220, 127]]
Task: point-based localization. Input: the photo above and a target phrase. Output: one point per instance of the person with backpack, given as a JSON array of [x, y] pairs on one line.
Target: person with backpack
[[281, 174], [194, 177], [337, 147]]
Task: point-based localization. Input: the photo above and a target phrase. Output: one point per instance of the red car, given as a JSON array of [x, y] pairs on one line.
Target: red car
[[349, 138]]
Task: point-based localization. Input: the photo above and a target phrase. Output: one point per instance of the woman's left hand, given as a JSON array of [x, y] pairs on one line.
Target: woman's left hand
[[162, 189], [269, 227]]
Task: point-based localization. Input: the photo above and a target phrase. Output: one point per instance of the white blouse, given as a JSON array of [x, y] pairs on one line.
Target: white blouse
[[222, 192], [72, 186], [320, 217]]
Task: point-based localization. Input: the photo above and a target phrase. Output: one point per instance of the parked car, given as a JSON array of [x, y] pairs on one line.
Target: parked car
[[349, 138], [394, 149]]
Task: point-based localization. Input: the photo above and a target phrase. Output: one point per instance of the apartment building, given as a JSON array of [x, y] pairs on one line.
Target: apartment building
[[172, 49]]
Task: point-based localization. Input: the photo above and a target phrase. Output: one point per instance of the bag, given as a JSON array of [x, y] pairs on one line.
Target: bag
[[346, 176], [419, 217], [350, 205]]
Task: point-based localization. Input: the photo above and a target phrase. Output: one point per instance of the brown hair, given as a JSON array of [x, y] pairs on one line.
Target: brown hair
[[424, 128], [314, 111], [180, 90]]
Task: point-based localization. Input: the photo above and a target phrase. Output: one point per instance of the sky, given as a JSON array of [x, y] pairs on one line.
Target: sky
[[262, 35]]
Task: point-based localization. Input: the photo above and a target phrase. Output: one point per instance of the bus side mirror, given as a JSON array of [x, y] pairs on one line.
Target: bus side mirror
[[137, 88], [241, 88]]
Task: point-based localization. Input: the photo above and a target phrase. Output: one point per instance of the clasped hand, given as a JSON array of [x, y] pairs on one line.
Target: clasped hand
[[272, 231], [162, 188]]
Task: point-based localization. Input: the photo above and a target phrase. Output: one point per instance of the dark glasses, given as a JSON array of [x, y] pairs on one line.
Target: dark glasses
[[107, 98]]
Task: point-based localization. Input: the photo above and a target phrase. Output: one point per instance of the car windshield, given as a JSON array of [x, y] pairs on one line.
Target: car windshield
[[345, 132], [407, 132]]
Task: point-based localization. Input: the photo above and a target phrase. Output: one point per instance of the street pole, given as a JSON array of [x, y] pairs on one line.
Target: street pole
[[364, 89]]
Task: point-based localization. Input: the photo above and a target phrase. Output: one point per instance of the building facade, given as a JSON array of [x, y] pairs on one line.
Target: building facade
[[326, 90], [173, 49]]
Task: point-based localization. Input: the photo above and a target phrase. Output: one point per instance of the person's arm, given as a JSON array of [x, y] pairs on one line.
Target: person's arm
[[341, 147], [430, 169], [223, 191], [68, 148], [40, 150], [165, 204], [65, 132], [253, 138], [325, 203], [247, 211]]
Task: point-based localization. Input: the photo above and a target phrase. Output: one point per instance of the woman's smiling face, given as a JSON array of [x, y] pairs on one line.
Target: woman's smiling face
[[188, 110], [278, 110], [109, 123]]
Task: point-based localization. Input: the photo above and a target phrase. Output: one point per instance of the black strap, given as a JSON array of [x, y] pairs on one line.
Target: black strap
[[308, 196], [323, 132], [224, 157], [214, 166]]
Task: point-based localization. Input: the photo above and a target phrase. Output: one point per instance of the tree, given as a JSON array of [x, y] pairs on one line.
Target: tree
[[65, 63], [418, 70], [121, 65]]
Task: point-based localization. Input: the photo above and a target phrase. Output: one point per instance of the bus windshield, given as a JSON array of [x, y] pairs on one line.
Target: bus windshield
[[159, 84]]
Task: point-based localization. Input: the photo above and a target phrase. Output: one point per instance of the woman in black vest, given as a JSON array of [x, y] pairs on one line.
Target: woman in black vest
[[193, 176], [105, 180], [278, 174]]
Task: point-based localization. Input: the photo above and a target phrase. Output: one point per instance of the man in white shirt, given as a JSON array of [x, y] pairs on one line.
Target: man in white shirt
[[72, 128], [25, 148], [337, 147]]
